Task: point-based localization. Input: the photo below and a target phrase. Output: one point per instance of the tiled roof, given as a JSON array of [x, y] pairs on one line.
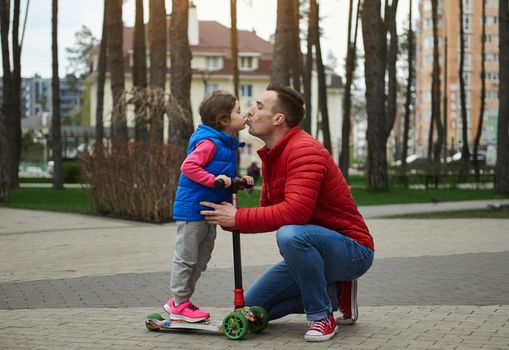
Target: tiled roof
[[215, 38]]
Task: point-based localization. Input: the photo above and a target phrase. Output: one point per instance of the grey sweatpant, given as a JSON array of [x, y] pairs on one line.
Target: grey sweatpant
[[193, 248]]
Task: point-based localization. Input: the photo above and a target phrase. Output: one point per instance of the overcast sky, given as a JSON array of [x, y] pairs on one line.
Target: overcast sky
[[259, 15]]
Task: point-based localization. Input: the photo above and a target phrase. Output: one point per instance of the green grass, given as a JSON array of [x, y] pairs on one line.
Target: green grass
[[502, 213], [72, 200], [403, 195], [69, 200], [394, 196], [249, 200]]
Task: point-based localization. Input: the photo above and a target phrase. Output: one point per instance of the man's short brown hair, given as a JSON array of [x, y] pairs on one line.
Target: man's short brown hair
[[289, 102], [217, 107]]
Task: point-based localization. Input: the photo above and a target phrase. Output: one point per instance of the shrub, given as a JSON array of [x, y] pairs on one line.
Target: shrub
[[72, 173], [134, 181]]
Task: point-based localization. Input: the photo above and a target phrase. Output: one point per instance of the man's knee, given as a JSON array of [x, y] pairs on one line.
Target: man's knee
[[287, 235]]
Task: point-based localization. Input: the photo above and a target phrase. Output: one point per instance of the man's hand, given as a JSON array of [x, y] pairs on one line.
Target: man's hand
[[223, 214]]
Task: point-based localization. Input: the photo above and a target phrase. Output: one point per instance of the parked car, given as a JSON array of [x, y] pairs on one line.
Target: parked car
[[413, 160], [455, 159], [415, 163]]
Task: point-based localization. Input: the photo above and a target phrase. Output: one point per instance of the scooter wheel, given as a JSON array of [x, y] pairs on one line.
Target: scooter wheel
[[151, 322], [235, 326], [262, 320]]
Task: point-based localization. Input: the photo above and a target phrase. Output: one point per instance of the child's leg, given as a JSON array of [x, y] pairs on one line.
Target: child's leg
[[205, 253], [190, 234]]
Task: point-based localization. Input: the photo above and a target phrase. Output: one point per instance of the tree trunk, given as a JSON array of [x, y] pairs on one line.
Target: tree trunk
[[281, 60], [16, 106], [296, 51], [502, 166], [234, 47], [483, 94], [435, 96], [445, 104], [344, 161], [322, 87], [181, 125], [465, 152], [101, 77], [116, 66], [8, 92], [390, 24], [408, 99], [157, 61], [140, 68], [5, 190], [375, 46], [306, 122], [56, 134]]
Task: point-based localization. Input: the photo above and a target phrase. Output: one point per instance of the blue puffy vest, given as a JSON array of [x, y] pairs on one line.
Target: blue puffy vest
[[189, 193]]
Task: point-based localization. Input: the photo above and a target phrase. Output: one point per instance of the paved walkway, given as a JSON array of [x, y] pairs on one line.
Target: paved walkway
[[82, 282]]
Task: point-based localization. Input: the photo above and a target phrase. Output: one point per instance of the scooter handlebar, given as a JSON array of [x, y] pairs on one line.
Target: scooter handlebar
[[236, 184]]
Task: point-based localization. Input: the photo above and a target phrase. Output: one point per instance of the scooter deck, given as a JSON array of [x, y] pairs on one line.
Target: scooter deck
[[161, 324]]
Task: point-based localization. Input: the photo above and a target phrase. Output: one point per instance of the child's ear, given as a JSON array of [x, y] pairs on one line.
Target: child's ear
[[224, 122]]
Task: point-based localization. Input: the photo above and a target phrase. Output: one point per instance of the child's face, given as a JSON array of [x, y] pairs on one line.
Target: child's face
[[237, 120]]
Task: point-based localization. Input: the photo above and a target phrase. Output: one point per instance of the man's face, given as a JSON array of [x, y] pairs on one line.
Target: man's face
[[260, 117]]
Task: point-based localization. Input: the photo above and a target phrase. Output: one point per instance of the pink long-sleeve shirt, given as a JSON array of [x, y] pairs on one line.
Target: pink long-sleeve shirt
[[193, 165]]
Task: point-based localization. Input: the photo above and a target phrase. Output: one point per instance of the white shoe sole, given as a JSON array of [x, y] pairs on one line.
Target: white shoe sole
[[174, 317], [318, 338]]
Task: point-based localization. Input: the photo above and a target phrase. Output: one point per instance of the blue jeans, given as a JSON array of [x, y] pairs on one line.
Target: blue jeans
[[315, 259]]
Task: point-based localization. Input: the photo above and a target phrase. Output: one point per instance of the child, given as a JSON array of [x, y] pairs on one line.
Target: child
[[211, 155]]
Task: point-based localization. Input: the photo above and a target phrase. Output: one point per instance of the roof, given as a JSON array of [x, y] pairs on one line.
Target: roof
[[215, 38]]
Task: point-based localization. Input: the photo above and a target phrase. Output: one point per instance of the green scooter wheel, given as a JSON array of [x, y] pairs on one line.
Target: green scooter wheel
[[152, 326], [262, 320], [235, 326]]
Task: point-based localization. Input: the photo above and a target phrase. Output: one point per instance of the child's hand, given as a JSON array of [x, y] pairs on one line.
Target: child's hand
[[249, 180], [226, 179]]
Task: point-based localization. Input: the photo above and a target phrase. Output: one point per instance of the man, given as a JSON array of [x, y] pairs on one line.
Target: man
[[321, 235]]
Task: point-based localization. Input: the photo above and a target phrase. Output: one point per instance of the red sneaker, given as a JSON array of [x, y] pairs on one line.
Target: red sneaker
[[347, 302], [185, 311], [321, 330]]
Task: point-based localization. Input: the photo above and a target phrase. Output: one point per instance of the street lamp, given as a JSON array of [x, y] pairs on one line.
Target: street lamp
[[205, 76]]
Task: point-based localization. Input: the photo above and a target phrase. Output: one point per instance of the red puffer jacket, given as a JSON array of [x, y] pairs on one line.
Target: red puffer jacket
[[302, 185]]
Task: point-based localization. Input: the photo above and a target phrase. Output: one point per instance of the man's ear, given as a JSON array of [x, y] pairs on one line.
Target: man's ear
[[279, 118]]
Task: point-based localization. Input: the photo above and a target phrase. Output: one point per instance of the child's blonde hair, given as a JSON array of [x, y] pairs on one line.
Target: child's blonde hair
[[216, 108]]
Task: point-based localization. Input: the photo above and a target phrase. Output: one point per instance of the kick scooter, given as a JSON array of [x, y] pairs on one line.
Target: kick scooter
[[243, 318]]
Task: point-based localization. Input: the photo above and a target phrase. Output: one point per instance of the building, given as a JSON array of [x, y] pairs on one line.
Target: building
[[448, 32], [212, 69], [36, 100]]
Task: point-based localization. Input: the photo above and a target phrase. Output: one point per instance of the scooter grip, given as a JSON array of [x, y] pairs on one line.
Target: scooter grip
[[219, 183]]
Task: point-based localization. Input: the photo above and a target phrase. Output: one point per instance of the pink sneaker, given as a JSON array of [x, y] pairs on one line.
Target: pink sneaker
[[321, 330], [185, 311]]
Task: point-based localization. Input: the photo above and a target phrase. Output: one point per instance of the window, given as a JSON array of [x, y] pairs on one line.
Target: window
[[491, 20], [210, 87], [467, 27], [491, 57], [246, 90], [492, 95], [212, 62], [427, 115], [246, 62]]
